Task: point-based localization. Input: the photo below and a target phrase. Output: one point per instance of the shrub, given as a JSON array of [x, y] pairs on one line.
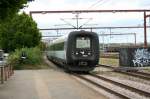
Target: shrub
[[33, 57]]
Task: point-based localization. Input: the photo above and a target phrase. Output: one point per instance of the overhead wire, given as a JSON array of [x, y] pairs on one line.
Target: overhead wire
[[104, 2], [94, 4], [98, 3]]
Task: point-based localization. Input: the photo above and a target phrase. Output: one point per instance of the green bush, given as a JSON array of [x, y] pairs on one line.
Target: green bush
[[33, 57]]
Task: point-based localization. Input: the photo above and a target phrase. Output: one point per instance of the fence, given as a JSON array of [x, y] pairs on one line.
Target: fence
[[6, 70]]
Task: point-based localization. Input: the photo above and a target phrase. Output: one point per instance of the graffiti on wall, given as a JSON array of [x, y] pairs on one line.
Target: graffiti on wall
[[141, 57]]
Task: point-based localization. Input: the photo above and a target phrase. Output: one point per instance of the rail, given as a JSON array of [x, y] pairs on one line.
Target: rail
[[137, 74], [147, 94], [103, 87], [110, 90]]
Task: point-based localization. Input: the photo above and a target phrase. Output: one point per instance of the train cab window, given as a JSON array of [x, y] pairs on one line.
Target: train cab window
[[83, 42]]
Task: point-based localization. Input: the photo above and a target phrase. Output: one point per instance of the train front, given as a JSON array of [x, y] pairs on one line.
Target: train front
[[84, 50]]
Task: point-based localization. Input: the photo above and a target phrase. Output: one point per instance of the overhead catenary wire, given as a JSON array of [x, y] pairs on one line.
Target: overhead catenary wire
[[67, 22], [104, 2], [94, 4], [99, 3]]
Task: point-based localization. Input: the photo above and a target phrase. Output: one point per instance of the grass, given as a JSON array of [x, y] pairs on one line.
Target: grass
[[41, 65], [112, 59], [33, 60], [109, 58], [109, 61], [109, 55], [34, 67]]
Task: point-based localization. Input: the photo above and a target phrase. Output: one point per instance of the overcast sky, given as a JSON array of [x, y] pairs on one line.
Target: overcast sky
[[87, 4], [107, 19]]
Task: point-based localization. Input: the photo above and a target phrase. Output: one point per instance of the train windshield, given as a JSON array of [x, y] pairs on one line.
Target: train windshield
[[83, 42]]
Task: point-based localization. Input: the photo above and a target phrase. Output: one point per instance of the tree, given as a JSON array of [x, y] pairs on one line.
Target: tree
[[9, 8], [21, 31]]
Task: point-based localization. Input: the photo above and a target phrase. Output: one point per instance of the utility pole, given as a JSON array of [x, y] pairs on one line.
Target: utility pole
[[57, 32], [145, 29], [135, 39], [145, 32], [77, 18], [103, 40]]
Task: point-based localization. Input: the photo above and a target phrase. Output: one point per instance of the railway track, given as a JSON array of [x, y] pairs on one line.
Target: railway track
[[143, 73], [139, 74], [130, 89], [103, 87]]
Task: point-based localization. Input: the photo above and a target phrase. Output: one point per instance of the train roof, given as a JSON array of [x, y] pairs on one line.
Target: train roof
[[60, 39], [64, 38]]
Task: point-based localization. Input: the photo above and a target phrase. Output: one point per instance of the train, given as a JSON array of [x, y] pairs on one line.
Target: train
[[77, 51]]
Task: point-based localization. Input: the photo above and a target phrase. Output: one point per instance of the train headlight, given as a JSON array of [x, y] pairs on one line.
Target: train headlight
[[77, 53], [89, 53], [82, 52]]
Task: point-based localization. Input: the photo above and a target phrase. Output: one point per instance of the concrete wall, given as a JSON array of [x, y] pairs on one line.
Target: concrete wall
[[134, 57]]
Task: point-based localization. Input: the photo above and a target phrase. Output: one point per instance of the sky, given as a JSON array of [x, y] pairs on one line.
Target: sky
[[94, 19]]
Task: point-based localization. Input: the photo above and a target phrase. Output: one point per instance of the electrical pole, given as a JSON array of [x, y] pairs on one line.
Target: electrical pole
[[145, 32], [77, 18], [145, 29]]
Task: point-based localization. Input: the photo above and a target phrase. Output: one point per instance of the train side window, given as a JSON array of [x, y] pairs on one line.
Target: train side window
[[59, 46], [51, 47], [65, 45]]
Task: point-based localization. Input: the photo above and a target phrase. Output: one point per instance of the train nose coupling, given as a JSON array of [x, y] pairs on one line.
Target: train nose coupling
[[83, 63]]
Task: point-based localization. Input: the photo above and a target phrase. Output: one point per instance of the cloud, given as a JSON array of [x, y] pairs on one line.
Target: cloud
[[107, 19], [80, 4]]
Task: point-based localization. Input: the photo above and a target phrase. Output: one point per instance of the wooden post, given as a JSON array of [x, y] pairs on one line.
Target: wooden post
[[9, 71], [5, 72], [2, 75]]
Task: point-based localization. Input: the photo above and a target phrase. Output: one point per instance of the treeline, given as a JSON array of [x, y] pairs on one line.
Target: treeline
[[16, 30], [19, 33]]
